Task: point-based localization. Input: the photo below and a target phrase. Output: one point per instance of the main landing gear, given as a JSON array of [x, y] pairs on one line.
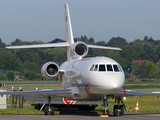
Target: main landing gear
[[116, 109], [48, 108], [119, 108]]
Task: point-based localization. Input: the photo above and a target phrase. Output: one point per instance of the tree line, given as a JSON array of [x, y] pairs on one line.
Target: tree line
[[28, 62]]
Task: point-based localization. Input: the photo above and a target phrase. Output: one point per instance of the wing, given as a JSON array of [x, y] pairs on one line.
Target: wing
[[46, 93], [134, 93]]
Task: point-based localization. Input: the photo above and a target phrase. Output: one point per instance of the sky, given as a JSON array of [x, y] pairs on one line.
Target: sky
[[43, 20]]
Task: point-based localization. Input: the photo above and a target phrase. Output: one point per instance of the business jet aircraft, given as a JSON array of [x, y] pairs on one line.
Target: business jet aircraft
[[97, 78]]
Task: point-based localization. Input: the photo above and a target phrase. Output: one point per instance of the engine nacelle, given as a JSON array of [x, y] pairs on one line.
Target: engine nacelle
[[50, 70], [80, 49]]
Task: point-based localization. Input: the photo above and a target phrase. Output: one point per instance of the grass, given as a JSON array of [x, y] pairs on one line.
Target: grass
[[29, 81], [33, 87], [147, 104]]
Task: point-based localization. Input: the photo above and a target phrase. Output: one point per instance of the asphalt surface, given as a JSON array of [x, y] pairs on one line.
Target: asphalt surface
[[134, 116]]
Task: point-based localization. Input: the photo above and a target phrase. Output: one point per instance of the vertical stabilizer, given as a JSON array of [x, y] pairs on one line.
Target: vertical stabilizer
[[69, 34]]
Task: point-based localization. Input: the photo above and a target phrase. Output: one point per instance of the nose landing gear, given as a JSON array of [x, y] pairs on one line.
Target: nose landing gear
[[105, 111]]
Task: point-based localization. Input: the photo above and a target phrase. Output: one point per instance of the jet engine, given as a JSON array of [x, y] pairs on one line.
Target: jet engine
[[50, 70], [80, 49]]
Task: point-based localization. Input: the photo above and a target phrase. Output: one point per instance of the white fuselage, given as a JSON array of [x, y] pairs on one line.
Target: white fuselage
[[92, 78]]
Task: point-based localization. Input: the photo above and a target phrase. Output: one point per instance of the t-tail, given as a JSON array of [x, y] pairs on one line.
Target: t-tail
[[75, 50]]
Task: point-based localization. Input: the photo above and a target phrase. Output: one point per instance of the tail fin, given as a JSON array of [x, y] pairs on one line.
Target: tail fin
[[69, 34]]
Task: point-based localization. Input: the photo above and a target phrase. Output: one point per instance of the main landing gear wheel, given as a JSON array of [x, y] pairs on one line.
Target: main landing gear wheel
[[115, 110], [46, 110], [52, 110], [121, 110]]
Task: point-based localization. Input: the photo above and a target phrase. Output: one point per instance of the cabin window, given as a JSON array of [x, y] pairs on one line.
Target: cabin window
[[102, 68], [109, 68], [91, 69], [96, 68], [115, 68]]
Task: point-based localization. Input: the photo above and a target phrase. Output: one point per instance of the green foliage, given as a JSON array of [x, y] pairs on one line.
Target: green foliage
[[9, 61], [31, 60], [143, 80], [117, 42], [145, 69], [10, 75], [3, 77], [2, 45], [130, 80]]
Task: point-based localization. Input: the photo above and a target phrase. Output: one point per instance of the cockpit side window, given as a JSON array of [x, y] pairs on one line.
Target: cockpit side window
[[115, 68], [96, 68], [91, 69], [120, 68], [109, 68], [102, 68]]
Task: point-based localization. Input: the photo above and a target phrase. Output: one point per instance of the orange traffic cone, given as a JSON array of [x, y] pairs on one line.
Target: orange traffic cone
[[137, 107]]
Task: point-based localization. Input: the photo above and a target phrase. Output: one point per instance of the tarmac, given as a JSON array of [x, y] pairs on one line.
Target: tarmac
[[131, 116]]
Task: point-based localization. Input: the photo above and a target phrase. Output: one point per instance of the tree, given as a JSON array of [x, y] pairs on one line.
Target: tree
[[3, 77], [2, 45], [91, 40], [150, 69], [101, 43], [29, 66], [10, 75], [31, 76], [145, 38], [117, 42], [135, 69]]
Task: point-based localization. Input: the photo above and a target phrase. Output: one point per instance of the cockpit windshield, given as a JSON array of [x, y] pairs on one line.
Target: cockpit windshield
[[102, 68], [106, 67]]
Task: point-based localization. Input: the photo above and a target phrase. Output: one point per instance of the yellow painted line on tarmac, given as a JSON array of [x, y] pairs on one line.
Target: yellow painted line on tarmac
[[155, 92], [104, 116]]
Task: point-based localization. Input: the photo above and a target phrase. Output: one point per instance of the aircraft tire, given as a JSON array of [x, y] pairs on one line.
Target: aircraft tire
[[46, 110], [115, 110], [52, 110], [121, 110]]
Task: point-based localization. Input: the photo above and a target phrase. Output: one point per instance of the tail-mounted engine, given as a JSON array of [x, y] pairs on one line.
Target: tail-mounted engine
[[80, 49], [50, 70]]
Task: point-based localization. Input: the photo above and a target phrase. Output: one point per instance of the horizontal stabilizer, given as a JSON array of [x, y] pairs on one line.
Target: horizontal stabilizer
[[103, 47], [40, 45]]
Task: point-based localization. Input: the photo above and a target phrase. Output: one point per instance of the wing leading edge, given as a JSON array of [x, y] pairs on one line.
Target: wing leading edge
[[134, 93], [53, 93]]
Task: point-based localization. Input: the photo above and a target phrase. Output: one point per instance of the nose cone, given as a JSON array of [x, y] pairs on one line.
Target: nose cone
[[111, 83]]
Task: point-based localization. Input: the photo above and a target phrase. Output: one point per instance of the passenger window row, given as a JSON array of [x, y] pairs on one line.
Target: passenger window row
[[103, 67]]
